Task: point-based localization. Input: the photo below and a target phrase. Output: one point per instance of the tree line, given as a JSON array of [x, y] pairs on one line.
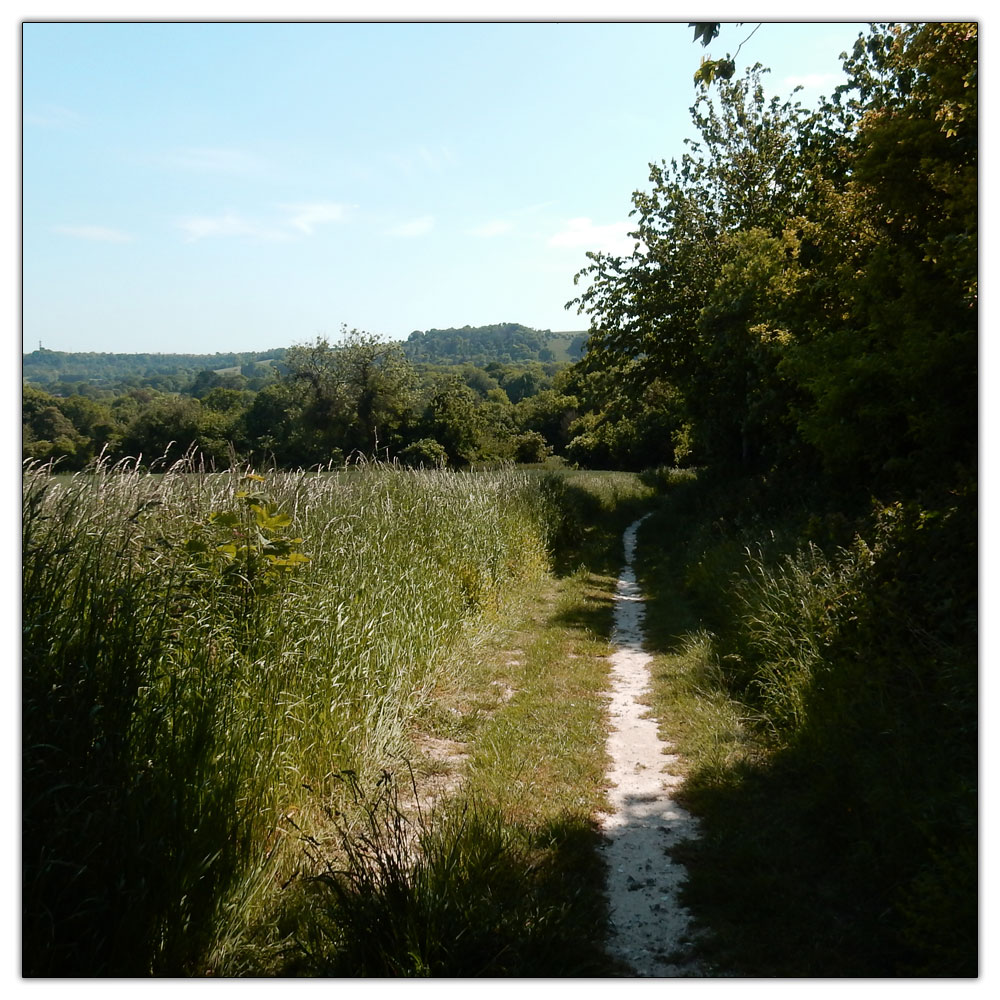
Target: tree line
[[804, 282], [802, 301], [320, 403], [45, 367]]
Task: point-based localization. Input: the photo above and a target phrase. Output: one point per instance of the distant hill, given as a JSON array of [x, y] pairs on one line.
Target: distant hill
[[504, 342], [478, 345], [65, 366]]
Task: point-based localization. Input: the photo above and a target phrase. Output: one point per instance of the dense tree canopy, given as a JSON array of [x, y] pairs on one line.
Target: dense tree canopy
[[806, 282]]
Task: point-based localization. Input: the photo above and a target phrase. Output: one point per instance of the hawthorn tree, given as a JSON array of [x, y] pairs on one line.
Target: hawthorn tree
[[677, 310], [358, 392]]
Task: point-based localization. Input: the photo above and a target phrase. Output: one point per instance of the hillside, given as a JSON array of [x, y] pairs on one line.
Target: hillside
[[502, 342], [43, 365]]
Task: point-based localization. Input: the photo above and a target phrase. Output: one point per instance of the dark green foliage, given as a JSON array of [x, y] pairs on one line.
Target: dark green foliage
[[452, 417], [503, 342], [806, 281], [702, 304], [550, 413], [841, 841], [424, 453], [47, 433], [318, 404], [356, 394], [207, 381], [530, 447], [608, 427]]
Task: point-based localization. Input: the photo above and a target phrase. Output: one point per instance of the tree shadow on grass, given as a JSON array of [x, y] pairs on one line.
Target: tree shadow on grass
[[594, 614], [590, 532], [457, 893], [818, 855]]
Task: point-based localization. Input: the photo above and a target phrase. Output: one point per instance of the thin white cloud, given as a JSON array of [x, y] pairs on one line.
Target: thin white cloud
[[216, 161], [53, 116], [308, 216], [583, 234], [294, 222], [495, 228], [201, 227], [415, 227], [99, 234]]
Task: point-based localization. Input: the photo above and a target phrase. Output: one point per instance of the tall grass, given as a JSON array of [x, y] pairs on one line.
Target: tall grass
[[202, 655], [500, 876], [836, 773], [789, 612], [456, 891]]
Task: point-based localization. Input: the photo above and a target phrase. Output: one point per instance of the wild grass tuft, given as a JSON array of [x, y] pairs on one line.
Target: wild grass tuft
[[455, 892]]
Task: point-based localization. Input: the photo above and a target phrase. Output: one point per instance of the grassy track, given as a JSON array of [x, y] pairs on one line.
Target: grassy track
[[508, 758]]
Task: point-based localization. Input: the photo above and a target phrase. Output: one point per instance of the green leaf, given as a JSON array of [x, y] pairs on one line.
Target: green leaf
[[710, 69], [705, 30], [290, 560], [225, 519]]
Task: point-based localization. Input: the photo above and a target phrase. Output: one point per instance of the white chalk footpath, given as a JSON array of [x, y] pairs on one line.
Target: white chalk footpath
[[651, 930]]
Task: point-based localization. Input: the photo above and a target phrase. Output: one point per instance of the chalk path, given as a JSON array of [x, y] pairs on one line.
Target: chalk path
[[651, 930]]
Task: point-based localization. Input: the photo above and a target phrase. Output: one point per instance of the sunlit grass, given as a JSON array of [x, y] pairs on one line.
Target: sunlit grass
[[496, 871], [178, 710]]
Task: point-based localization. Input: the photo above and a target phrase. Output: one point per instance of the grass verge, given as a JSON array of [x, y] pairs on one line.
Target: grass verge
[[824, 705], [477, 855]]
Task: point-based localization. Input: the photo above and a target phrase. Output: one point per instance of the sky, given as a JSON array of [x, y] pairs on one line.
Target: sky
[[196, 187], [236, 186]]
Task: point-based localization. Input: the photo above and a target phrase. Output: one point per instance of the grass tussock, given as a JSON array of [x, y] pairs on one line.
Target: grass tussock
[[460, 891]]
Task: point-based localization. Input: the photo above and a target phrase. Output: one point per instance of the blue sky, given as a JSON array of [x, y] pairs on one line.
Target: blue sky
[[202, 187]]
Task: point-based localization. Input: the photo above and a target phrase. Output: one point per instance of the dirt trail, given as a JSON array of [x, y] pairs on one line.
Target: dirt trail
[[651, 928]]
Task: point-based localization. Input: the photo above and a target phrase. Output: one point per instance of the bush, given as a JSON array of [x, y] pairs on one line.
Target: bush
[[424, 454], [844, 833], [531, 448]]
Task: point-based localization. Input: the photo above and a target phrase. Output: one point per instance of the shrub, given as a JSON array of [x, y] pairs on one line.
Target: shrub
[[425, 453]]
